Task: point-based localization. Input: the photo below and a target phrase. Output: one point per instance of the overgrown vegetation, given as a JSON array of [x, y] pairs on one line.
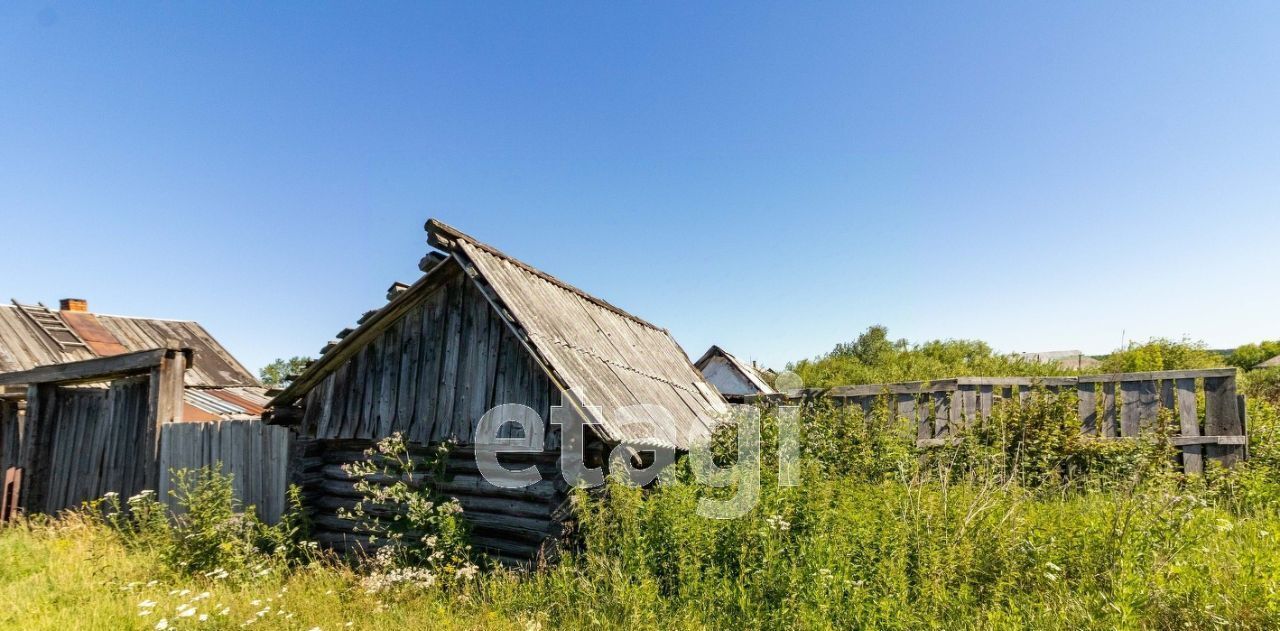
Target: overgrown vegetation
[[1247, 356], [875, 358], [211, 534], [1021, 523], [420, 536], [1162, 354]]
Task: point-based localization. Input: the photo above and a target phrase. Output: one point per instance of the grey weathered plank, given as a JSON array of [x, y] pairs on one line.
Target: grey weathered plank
[[1148, 403], [1109, 424], [1129, 408], [1222, 418], [431, 359], [446, 397], [1087, 394], [986, 399], [389, 369], [1189, 425], [941, 414], [407, 388], [89, 370], [1199, 373], [905, 408]]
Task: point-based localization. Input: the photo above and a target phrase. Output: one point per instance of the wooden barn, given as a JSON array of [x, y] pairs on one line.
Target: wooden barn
[[480, 329], [732, 377], [217, 385], [85, 399]]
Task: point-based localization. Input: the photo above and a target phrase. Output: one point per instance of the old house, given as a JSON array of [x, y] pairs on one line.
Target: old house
[[731, 376], [477, 330], [85, 399], [1069, 360], [217, 385]]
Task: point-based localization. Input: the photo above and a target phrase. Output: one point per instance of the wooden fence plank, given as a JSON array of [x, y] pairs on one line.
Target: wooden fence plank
[[1109, 409], [1222, 418], [1087, 394], [1129, 408], [942, 405], [1148, 404]]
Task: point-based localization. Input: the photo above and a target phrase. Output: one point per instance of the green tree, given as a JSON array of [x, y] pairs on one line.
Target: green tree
[[876, 358], [1249, 355], [277, 373], [1161, 354]]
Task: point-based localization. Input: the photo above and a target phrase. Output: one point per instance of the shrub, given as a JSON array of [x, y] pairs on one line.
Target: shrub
[[874, 358], [1161, 354], [1247, 356], [419, 534], [211, 532]]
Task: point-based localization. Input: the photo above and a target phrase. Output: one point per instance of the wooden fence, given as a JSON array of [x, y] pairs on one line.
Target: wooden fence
[[254, 454], [1110, 406]]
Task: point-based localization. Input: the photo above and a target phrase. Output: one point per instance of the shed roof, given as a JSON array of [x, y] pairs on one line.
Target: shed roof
[[750, 373], [24, 345], [605, 358]]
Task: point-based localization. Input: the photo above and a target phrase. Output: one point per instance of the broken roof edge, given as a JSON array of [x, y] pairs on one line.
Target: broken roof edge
[[441, 236], [381, 318]]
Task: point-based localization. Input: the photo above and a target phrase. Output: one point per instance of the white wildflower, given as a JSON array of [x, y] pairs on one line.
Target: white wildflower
[[163, 624]]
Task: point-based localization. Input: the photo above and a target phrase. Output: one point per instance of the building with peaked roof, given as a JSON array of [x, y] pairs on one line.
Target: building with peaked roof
[[1070, 360], [217, 385], [731, 376], [481, 329]]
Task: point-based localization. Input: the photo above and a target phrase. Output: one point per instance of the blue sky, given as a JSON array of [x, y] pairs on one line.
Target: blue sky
[[770, 177]]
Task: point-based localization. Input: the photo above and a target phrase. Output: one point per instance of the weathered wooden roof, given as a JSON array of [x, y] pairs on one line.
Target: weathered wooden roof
[[750, 373], [23, 345], [603, 357]]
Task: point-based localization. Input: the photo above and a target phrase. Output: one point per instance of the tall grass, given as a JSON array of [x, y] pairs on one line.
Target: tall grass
[[996, 532]]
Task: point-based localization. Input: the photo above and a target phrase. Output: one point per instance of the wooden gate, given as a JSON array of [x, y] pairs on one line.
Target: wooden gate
[[90, 427]]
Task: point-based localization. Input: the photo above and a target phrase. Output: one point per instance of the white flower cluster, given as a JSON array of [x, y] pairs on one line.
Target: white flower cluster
[[776, 522], [383, 581]]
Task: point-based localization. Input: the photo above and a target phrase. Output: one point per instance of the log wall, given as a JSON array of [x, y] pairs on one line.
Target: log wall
[[514, 525]]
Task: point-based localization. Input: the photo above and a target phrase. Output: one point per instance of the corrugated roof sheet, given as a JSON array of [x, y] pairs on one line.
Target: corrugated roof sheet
[[225, 403], [22, 346]]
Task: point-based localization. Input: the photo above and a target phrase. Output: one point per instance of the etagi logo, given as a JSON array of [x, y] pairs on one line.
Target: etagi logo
[[495, 435]]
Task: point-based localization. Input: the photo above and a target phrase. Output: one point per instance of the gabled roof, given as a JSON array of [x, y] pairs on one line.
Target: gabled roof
[[24, 345], [1071, 360], [1270, 363], [750, 373], [601, 355]]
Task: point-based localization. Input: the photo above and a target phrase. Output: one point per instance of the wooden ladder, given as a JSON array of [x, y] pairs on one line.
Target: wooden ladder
[[53, 326]]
